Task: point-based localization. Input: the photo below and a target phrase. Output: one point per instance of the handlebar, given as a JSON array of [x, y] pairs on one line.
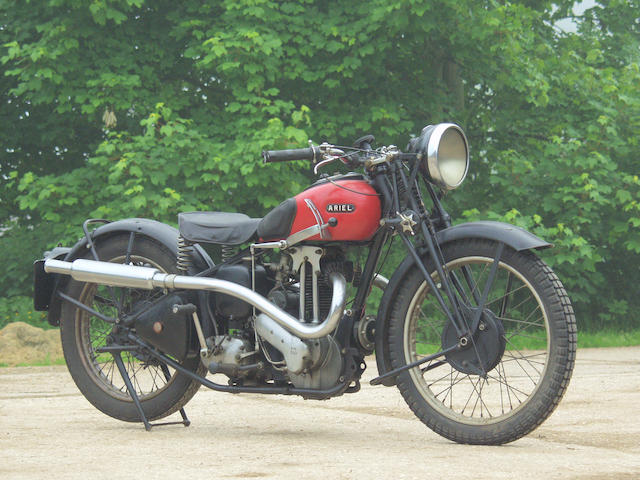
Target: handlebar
[[326, 153], [311, 153]]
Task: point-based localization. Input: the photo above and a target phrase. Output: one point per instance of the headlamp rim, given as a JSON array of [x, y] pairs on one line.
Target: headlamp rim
[[432, 136]]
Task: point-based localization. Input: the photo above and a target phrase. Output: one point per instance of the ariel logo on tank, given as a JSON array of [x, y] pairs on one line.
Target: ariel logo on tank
[[341, 208]]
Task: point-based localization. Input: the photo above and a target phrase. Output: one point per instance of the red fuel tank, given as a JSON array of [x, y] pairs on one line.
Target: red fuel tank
[[352, 202]]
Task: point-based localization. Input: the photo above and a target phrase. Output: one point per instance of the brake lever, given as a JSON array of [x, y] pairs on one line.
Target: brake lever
[[328, 160], [323, 162]]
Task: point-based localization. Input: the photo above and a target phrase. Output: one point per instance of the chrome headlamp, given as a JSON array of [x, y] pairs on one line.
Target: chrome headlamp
[[444, 154]]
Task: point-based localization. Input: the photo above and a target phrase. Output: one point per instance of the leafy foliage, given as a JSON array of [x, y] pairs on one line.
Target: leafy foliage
[[122, 108], [20, 308], [168, 168]]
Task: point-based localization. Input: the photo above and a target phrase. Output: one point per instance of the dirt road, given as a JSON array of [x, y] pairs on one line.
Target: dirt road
[[48, 430]]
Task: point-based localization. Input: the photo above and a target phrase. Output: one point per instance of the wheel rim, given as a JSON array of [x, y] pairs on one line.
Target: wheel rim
[[513, 382], [147, 377]]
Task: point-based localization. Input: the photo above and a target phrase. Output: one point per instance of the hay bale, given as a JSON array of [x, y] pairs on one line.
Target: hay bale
[[21, 343]]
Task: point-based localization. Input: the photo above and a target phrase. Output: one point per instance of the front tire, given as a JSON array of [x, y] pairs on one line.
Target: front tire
[[95, 374], [527, 344]]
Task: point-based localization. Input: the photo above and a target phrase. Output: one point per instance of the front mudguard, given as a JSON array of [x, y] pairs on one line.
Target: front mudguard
[[160, 232], [512, 236]]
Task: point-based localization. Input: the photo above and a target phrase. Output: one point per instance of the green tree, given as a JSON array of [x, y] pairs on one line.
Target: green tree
[[197, 89]]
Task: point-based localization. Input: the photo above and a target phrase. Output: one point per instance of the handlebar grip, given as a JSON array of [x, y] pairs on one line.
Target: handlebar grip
[[311, 153]]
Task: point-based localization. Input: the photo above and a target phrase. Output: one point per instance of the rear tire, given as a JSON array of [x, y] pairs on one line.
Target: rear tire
[[529, 367], [96, 375]]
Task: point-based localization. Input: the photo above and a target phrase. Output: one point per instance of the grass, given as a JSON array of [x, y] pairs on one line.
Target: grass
[[601, 339], [608, 338], [45, 363]]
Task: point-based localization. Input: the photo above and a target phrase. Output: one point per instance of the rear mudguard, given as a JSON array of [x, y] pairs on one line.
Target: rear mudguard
[[512, 236], [160, 232]]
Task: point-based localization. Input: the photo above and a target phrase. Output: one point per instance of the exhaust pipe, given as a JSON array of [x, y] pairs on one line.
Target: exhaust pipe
[[119, 275]]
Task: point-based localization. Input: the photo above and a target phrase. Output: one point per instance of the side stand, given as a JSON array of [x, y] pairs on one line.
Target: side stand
[[117, 357]]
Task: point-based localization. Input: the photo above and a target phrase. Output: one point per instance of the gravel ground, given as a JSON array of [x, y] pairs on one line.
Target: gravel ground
[[48, 430]]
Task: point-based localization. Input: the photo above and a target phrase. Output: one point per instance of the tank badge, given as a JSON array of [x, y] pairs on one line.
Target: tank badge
[[341, 208]]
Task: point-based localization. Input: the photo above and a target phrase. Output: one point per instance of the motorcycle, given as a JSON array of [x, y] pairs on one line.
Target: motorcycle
[[476, 332]]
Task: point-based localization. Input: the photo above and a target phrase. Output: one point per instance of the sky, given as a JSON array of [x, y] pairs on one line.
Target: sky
[[578, 9]]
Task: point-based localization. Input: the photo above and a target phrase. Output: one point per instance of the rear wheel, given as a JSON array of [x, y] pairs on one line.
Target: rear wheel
[[161, 390], [521, 356]]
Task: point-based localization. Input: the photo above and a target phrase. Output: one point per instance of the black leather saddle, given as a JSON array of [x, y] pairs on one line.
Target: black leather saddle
[[217, 227], [235, 228]]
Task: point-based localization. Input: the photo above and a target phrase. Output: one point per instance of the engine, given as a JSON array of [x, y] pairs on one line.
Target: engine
[[303, 290], [298, 284]]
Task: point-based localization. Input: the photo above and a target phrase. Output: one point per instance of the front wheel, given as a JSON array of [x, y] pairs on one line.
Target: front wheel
[[520, 358]]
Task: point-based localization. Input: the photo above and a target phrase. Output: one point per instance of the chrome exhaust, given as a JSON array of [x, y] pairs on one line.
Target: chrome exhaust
[[119, 275]]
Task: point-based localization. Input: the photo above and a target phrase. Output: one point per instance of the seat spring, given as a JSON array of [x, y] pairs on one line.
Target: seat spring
[[184, 255], [228, 251]]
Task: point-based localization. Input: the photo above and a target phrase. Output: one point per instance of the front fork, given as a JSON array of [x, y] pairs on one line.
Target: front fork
[[451, 284], [460, 304], [456, 304]]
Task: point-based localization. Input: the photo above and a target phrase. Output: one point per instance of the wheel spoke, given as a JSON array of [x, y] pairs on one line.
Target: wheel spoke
[[476, 281], [110, 371], [485, 382], [430, 323], [517, 334], [438, 380], [454, 381], [478, 397], [451, 387], [526, 360], [511, 358], [506, 295], [532, 324], [510, 387], [154, 378], [504, 376]]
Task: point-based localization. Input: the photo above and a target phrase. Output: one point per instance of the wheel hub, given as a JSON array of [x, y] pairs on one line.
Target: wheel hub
[[489, 342]]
